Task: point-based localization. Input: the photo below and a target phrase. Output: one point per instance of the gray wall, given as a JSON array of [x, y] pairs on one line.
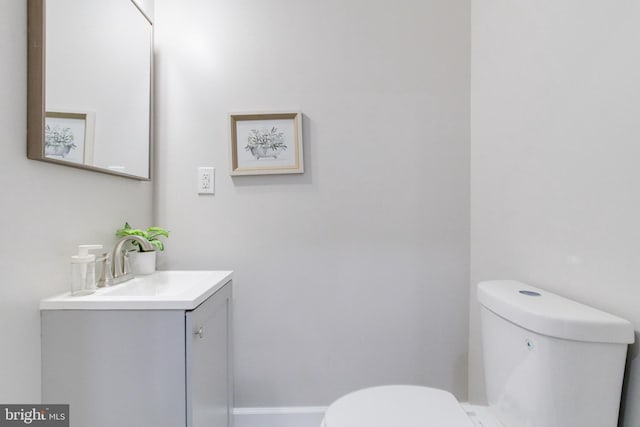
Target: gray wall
[[46, 211], [356, 272], [555, 202]]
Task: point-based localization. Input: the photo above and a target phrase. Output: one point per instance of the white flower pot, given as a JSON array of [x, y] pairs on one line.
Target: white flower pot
[[260, 152], [142, 263]]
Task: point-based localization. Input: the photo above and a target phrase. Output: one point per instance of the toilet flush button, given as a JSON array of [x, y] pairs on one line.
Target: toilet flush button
[[530, 344], [530, 293]]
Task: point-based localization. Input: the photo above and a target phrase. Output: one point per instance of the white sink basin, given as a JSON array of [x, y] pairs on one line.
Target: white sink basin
[[141, 288], [163, 290], [162, 283]]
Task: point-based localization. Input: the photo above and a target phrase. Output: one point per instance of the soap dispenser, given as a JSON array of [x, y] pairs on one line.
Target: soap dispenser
[[83, 271]]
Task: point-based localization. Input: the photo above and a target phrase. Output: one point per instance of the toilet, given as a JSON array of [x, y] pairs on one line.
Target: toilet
[[548, 362]]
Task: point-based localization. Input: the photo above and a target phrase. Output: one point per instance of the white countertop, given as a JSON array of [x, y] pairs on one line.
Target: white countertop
[[162, 290]]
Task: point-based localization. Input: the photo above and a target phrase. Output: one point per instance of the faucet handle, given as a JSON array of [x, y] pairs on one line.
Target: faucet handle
[[106, 277]]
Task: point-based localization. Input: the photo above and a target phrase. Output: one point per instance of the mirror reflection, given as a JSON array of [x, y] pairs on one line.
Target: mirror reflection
[[97, 86]]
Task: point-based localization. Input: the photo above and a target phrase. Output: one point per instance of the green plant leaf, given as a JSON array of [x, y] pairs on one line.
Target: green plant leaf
[[157, 231], [151, 234]]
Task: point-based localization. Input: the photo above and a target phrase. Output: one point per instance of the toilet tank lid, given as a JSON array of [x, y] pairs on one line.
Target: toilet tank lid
[[549, 314]]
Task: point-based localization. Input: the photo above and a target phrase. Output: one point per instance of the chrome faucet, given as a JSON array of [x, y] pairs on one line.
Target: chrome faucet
[[118, 270]]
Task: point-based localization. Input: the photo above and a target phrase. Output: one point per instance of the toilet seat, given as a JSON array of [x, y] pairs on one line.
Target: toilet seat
[[396, 405]]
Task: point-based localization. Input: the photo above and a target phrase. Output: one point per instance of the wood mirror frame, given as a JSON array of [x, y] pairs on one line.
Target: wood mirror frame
[[36, 90]]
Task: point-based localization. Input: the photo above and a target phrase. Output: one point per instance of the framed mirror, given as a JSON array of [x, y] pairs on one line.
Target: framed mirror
[[89, 85]]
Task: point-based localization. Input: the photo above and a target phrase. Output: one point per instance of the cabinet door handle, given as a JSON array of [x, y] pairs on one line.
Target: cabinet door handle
[[199, 332]]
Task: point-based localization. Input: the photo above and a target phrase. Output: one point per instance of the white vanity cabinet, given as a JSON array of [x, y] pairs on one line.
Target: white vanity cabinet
[[145, 367]]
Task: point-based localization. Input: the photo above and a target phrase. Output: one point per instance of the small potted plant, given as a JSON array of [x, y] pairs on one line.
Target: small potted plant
[[141, 261]]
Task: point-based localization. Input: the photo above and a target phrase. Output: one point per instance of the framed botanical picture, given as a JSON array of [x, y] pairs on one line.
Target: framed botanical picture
[[69, 136], [266, 143]]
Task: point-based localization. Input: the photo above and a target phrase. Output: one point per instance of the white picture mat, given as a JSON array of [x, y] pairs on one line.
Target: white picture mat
[[287, 158], [77, 127]]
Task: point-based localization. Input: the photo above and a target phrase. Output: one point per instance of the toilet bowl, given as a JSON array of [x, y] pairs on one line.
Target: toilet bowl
[[548, 362]]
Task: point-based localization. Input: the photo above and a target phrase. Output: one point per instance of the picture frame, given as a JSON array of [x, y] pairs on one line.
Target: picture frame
[[266, 143], [69, 136]]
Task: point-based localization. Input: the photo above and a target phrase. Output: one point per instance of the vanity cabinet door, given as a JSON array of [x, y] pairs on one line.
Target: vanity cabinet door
[[115, 368], [209, 385]]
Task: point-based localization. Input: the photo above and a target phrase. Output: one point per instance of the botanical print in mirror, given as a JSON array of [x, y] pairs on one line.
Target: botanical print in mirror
[[266, 143], [69, 136]]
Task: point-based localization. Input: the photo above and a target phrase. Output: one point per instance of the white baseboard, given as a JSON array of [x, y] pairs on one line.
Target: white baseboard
[[296, 416]]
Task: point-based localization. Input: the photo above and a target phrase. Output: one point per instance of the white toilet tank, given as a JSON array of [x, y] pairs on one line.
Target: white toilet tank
[[550, 361]]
